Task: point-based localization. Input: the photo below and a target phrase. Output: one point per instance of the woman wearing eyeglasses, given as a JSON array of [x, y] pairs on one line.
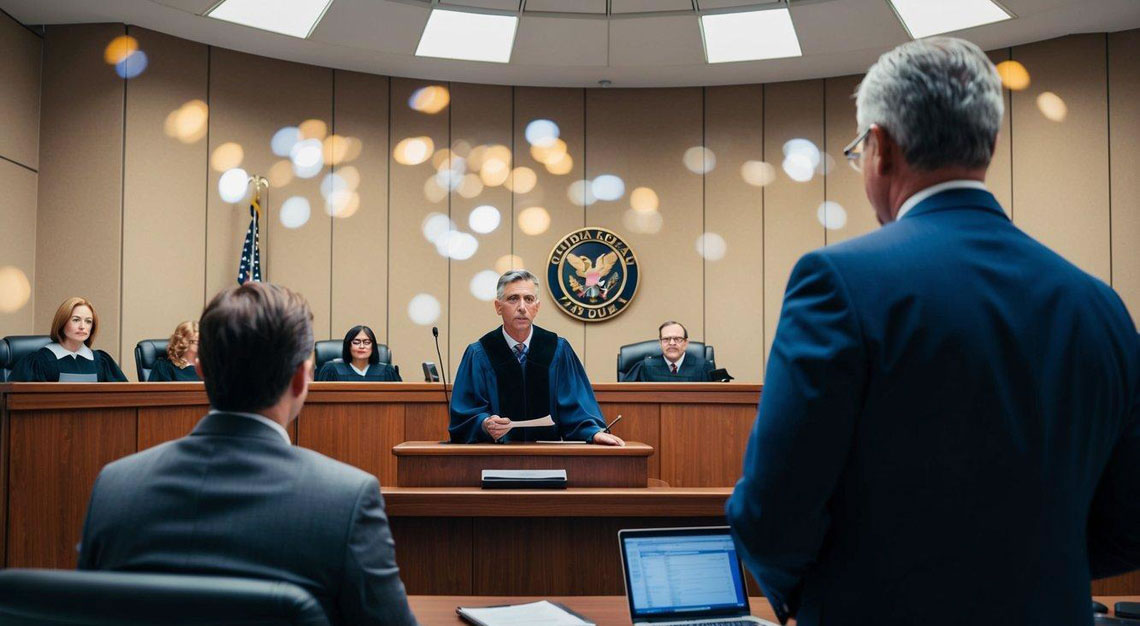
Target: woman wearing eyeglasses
[[181, 351], [359, 360]]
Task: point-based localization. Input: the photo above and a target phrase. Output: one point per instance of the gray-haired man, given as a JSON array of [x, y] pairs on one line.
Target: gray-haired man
[[520, 372], [950, 425]]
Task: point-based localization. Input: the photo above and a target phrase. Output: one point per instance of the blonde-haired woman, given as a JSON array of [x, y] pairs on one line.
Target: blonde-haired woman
[[181, 352], [70, 358]]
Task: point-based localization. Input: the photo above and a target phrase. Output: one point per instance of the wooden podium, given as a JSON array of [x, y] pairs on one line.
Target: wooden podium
[[435, 464]]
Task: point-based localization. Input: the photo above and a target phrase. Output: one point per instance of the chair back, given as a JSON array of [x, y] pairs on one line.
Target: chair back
[[147, 353], [634, 353], [15, 347], [329, 351], [30, 597]]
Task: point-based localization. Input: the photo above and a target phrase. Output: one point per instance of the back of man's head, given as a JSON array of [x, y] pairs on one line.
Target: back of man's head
[[940, 99], [252, 339]]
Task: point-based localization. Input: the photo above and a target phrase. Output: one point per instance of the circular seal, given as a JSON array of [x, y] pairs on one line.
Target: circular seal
[[592, 274]]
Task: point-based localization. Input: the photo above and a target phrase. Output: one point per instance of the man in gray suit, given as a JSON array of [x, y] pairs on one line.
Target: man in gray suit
[[234, 497]]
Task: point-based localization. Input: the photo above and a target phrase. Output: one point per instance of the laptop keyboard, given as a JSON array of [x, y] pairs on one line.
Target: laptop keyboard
[[715, 622]]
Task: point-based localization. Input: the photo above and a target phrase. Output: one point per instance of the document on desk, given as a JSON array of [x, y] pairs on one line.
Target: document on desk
[[541, 421], [541, 612]]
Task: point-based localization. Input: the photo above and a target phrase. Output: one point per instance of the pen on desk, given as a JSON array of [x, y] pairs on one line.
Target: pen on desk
[[616, 420]]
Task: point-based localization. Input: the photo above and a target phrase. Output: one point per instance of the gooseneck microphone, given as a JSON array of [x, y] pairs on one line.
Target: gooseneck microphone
[[442, 369]]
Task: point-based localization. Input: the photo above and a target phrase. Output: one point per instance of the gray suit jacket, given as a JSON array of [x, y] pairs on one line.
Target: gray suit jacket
[[233, 498]]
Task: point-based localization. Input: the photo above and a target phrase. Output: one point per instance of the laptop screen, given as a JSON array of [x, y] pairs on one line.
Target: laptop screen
[[683, 572]]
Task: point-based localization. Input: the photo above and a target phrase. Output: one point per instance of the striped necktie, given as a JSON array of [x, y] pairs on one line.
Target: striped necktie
[[520, 353], [673, 367]]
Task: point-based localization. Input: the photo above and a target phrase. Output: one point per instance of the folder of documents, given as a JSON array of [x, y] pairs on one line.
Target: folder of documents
[[523, 479], [541, 612]]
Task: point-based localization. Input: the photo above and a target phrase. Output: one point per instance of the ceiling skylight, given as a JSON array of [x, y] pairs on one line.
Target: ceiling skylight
[[749, 36], [923, 18], [296, 18], [468, 36]]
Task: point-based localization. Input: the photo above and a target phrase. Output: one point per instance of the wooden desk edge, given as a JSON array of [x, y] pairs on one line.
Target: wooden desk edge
[[574, 502], [434, 448]]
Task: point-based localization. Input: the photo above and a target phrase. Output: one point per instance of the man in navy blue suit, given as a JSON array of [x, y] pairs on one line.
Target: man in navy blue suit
[[950, 426]]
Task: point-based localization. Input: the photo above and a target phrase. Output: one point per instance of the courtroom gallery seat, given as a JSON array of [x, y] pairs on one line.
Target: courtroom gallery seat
[[632, 354], [329, 350], [15, 347], [147, 353], [31, 597]]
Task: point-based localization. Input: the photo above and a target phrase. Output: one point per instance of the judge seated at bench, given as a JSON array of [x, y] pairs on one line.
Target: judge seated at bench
[[519, 371], [359, 360], [181, 354], [70, 357], [673, 365]]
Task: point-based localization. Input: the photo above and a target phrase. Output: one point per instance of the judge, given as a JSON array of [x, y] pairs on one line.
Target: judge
[[69, 358], [181, 353], [673, 365], [519, 371], [359, 360]]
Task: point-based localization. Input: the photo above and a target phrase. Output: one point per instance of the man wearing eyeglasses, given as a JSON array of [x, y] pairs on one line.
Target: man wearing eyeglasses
[[949, 431], [674, 364]]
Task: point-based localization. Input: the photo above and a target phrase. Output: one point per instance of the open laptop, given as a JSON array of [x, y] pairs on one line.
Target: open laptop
[[684, 576]]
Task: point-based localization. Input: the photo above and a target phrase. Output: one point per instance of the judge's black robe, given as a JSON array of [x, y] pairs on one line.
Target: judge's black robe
[[341, 371], [165, 371], [42, 366]]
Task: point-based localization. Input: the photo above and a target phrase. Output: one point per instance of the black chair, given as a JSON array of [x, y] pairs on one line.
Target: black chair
[[30, 597], [15, 347], [147, 353], [634, 353], [329, 351]]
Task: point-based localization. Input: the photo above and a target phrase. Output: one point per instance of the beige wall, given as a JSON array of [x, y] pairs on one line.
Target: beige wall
[[20, 51], [155, 235]]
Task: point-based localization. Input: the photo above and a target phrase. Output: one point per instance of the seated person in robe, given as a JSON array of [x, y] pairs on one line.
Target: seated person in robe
[[181, 352], [519, 371], [69, 358], [360, 360], [672, 365]]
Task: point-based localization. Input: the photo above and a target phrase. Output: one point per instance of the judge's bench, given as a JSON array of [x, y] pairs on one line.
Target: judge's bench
[[451, 536]]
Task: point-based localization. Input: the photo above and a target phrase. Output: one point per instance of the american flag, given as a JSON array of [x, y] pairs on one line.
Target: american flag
[[250, 267]]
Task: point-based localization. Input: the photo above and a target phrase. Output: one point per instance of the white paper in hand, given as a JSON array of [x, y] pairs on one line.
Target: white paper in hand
[[541, 421]]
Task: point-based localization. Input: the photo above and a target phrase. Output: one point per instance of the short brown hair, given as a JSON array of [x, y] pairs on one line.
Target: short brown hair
[[180, 342], [672, 323], [252, 338], [63, 314]]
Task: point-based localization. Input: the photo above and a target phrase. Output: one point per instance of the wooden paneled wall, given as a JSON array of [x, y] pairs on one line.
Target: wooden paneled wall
[[20, 50], [133, 219]]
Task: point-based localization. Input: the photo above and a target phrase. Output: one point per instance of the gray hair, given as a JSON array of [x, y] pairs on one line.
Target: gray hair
[[940, 99], [514, 276]]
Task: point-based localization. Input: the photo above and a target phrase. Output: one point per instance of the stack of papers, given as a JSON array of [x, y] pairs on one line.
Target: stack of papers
[[541, 612]]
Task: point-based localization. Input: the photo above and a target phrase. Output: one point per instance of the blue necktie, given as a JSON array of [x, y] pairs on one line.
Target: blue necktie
[[520, 353]]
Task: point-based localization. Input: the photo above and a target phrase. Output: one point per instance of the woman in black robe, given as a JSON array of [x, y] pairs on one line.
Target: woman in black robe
[[359, 360], [181, 351], [70, 357]]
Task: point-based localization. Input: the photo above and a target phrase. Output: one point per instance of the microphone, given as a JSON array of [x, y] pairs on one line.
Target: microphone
[[442, 369]]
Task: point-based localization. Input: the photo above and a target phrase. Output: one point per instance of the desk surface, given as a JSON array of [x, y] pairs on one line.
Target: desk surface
[[603, 610]]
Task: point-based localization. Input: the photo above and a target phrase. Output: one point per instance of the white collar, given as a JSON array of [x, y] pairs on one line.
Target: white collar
[[511, 343], [261, 418], [361, 372], [679, 361], [919, 196], [60, 351]]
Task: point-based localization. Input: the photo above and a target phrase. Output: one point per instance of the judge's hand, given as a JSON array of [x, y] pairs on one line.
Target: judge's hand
[[606, 439], [496, 426]]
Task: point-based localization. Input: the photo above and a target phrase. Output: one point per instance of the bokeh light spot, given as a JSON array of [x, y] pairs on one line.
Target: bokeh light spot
[[187, 123], [413, 150], [1013, 75], [119, 49], [423, 309], [295, 212], [521, 180], [280, 173], [757, 173], [1052, 106], [284, 139], [831, 215], [484, 219], [534, 221], [435, 226], [608, 187], [508, 262], [484, 284], [132, 66], [470, 185], [711, 246], [644, 199], [457, 245], [233, 185], [313, 129], [430, 100], [699, 160], [562, 166], [227, 156], [581, 193], [541, 132], [643, 222], [15, 290]]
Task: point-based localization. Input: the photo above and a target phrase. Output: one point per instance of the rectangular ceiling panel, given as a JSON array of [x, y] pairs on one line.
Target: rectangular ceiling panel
[[643, 6], [567, 6], [558, 41]]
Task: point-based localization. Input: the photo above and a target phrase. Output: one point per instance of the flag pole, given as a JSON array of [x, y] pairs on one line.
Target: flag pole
[[260, 182]]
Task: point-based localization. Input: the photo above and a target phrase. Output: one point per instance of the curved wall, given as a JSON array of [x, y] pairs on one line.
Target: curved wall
[[131, 216]]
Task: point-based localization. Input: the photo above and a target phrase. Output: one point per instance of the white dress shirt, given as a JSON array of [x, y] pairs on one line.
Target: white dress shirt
[[260, 418], [511, 343], [919, 196], [678, 362], [358, 371]]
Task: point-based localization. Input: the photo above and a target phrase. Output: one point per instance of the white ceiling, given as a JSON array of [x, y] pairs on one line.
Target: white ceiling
[[576, 43]]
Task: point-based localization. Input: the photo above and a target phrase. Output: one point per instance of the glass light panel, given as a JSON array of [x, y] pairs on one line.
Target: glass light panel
[[468, 36], [749, 36], [923, 18], [296, 18]]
